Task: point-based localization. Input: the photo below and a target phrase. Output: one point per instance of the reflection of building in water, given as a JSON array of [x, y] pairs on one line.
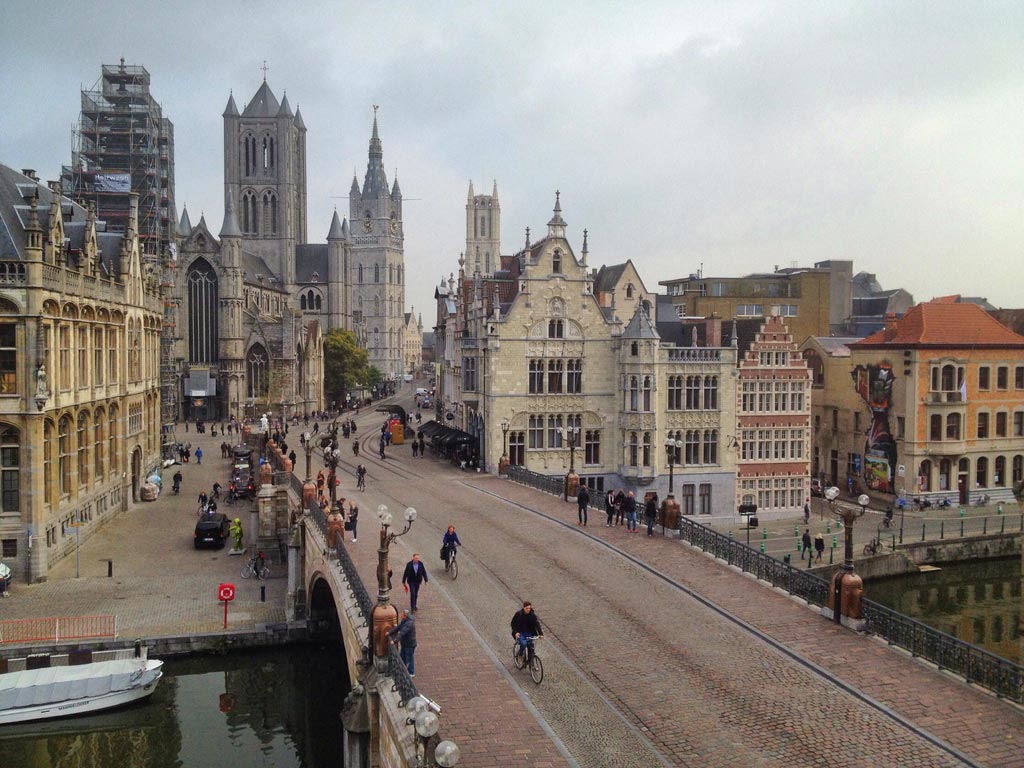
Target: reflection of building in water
[[144, 735], [979, 602]]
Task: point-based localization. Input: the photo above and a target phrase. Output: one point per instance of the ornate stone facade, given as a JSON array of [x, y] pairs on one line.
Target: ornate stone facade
[[80, 326]]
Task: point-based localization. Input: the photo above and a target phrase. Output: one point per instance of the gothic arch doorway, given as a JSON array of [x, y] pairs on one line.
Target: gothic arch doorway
[[136, 472]]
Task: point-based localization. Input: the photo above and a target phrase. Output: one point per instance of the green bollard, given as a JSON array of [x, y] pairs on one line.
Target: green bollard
[[835, 542], [762, 547], [764, 532], [730, 534], [961, 510], [961, 529], [999, 509], [828, 526]]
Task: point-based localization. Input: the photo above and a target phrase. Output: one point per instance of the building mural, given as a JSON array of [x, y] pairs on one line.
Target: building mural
[[874, 384]]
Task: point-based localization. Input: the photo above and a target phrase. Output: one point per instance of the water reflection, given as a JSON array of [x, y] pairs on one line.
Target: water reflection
[[273, 708], [978, 602]]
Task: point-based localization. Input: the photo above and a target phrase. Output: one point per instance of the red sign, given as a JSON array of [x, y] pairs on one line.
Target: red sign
[[226, 592]]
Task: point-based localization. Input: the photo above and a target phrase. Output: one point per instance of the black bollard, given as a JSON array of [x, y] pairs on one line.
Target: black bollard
[[263, 594]]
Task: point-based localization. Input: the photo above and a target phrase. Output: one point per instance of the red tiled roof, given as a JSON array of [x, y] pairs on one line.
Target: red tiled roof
[[939, 323]]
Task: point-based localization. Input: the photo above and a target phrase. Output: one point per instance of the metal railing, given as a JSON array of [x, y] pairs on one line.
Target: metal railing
[[547, 483], [58, 629], [403, 684], [1004, 678]]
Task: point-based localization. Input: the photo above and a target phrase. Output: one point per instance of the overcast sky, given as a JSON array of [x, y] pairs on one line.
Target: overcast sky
[[733, 135]]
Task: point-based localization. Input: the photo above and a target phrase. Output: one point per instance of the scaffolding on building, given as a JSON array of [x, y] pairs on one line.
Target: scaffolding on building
[[123, 144]]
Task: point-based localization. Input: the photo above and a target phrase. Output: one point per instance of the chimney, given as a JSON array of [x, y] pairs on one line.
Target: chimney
[[890, 326], [713, 331], [30, 173]]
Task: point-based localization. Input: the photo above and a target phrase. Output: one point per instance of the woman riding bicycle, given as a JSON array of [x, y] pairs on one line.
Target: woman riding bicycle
[[448, 545]]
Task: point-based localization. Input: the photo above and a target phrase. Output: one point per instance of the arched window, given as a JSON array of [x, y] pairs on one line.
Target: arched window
[[710, 393], [376, 305], [269, 213], [981, 472], [555, 329], [629, 291], [948, 378], [302, 301], [359, 270], [112, 438], [924, 475], [203, 328], [953, 427], [376, 273], [316, 302], [391, 273], [647, 395], [64, 455], [692, 447], [556, 261], [634, 349], [693, 384], [1018, 469], [48, 480], [634, 449], [99, 445], [257, 372], [10, 472], [645, 456], [945, 467], [634, 394], [487, 262], [82, 449], [674, 453], [483, 227], [999, 478]]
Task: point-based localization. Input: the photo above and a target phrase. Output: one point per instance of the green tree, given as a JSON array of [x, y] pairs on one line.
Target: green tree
[[346, 365]]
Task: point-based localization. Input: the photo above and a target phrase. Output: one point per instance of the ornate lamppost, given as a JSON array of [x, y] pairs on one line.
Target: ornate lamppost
[[672, 449], [847, 587], [423, 717], [572, 482], [308, 486], [385, 615], [503, 462], [332, 454], [305, 439]]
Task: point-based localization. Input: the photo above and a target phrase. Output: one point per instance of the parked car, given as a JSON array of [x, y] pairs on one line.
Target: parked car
[[422, 391], [211, 531], [816, 487]]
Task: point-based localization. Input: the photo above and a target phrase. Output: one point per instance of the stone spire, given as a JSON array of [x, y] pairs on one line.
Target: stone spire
[[376, 182], [230, 227], [285, 110], [471, 194], [185, 225], [230, 110], [336, 232], [556, 227], [527, 238], [585, 251], [494, 191]]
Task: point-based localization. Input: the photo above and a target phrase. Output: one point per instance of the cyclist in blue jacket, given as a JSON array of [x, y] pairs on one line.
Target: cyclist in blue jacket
[[448, 544]]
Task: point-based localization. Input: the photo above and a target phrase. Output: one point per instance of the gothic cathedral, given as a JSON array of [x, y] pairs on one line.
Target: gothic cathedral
[[253, 303]]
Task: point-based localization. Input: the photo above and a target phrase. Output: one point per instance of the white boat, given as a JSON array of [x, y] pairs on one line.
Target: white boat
[[60, 691]]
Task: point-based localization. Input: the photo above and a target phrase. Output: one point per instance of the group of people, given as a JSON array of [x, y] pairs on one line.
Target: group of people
[[620, 507], [818, 547]]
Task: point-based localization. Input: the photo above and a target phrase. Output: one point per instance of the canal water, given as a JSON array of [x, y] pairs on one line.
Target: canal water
[[979, 602], [268, 709]]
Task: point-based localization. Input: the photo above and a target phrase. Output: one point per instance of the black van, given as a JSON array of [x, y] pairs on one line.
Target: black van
[[211, 531]]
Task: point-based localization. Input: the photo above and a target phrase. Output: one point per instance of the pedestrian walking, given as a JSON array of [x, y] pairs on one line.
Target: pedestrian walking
[[807, 513], [415, 449], [629, 507], [361, 478], [381, 447], [292, 457], [807, 545], [582, 502], [651, 512], [199, 455], [353, 518], [404, 634], [620, 501], [819, 545], [422, 446], [609, 507], [414, 576]]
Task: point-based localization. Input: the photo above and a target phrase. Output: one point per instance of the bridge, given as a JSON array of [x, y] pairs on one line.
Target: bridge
[[661, 652]]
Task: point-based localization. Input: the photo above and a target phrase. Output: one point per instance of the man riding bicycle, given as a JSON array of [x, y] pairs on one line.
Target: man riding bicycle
[[448, 545], [526, 627]]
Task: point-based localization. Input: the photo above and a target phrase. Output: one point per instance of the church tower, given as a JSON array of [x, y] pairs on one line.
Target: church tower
[[483, 232], [265, 178], [378, 262]]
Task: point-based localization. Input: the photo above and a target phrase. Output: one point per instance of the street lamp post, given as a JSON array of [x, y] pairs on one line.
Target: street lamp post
[[423, 717], [847, 586], [671, 447], [571, 481], [503, 462], [305, 439], [385, 615]]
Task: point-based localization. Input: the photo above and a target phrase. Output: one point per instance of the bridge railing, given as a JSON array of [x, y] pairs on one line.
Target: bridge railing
[[545, 483], [402, 682], [976, 665]]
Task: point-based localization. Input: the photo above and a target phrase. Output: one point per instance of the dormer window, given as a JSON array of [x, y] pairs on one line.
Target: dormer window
[[556, 261]]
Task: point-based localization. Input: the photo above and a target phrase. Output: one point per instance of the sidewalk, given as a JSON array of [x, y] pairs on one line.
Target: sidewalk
[[987, 729]]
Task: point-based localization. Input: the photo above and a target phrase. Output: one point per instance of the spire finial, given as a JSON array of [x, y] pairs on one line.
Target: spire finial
[[527, 237], [264, 68], [558, 202]]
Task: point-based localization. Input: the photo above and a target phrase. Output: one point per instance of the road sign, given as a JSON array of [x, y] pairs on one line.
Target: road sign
[[226, 592]]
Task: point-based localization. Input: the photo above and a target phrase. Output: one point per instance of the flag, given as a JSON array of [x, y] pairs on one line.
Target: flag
[[963, 391]]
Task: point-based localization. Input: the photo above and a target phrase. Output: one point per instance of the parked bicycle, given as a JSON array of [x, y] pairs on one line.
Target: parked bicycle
[[257, 566], [523, 648], [873, 547]]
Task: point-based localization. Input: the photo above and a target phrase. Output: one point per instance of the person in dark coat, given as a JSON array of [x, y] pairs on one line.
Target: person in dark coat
[[620, 502], [629, 508], [651, 512], [609, 507], [415, 574], [525, 625], [405, 634], [806, 540], [582, 502], [819, 545]]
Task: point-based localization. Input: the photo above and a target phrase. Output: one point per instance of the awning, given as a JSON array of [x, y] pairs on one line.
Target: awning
[[443, 435]]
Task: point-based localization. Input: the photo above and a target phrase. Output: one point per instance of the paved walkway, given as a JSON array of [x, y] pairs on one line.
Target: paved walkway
[[161, 584]]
